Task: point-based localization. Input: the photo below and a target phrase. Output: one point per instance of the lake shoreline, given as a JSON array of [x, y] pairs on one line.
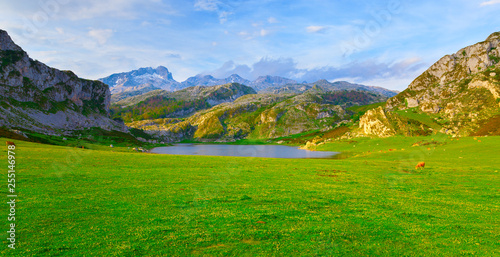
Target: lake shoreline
[[228, 150]]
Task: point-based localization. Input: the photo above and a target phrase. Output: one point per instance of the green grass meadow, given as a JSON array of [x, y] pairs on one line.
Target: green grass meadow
[[370, 202]]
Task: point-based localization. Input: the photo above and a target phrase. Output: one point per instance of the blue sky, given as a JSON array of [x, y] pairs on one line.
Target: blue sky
[[381, 43]]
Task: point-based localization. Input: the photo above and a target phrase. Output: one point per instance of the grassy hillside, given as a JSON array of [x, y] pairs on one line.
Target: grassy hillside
[[163, 104], [75, 202], [262, 116]]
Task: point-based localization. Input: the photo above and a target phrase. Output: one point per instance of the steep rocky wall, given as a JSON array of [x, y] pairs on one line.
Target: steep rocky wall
[[37, 97], [375, 123]]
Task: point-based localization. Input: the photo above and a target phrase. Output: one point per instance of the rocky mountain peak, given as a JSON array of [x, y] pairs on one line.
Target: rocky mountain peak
[[160, 70], [461, 91], [493, 36], [466, 61], [6, 42], [163, 71], [141, 80], [235, 76]]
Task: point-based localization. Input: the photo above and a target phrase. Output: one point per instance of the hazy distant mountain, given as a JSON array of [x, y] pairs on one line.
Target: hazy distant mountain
[[143, 79], [325, 86], [264, 82], [260, 83], [207, 80]]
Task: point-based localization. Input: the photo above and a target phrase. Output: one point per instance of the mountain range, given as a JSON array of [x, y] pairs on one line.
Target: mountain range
[[143, 80], [459, 96]]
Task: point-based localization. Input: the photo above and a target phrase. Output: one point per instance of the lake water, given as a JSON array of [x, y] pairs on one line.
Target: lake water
[[268, 151]]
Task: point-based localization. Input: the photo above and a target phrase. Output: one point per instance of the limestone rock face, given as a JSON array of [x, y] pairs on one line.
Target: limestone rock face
[[37, 97], [375, 123], [494, 89], [412, 102]]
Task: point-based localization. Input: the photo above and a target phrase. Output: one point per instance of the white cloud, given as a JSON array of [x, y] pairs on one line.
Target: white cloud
[[101, 35], [163, 22], [223, 16], [223, 10], [491, 2], [264, 32], [272, 20], [399, 73], [245, 35], [207, 5], [82, 10], [316, 29], [79, 10]]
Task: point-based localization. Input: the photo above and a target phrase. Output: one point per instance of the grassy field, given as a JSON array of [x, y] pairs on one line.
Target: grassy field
[[80, 202]]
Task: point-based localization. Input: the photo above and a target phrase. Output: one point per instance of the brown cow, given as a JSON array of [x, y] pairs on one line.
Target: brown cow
[[420, 165], [9, 143]]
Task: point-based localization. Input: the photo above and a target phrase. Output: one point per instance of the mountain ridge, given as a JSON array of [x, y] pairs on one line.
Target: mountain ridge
[[178, 104], [261, 116], [143, 80]]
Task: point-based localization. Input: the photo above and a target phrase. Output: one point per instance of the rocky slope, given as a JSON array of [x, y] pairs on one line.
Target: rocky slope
[[457, 95], [181, 103], [261, 116], [39, 98]]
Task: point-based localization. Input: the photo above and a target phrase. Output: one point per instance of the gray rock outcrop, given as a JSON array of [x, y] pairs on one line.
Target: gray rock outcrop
[[40, 98]]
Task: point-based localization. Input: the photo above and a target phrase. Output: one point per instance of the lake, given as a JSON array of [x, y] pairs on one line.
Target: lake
[[268, 151]]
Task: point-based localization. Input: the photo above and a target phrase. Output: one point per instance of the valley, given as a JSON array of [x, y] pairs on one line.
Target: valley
[[416, 173]]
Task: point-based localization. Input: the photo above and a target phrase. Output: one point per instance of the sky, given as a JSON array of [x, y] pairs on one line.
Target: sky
[[380, 43]]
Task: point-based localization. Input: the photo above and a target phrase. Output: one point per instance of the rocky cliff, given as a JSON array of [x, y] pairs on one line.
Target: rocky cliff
[[36, 97], [457, 95]]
